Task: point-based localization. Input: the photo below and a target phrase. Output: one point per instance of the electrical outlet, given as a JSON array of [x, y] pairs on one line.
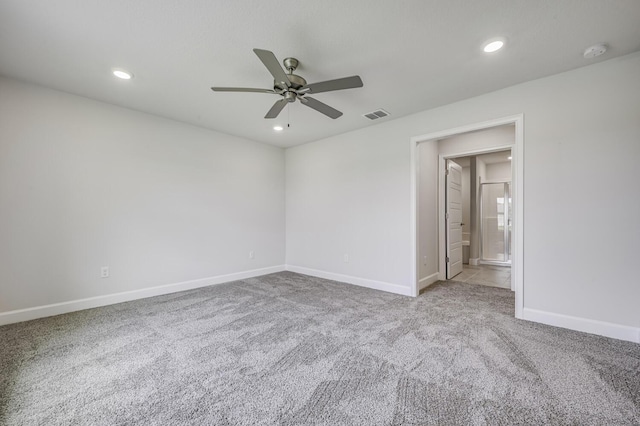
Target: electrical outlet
[[104, 272], [346, 258], [424, 260], [251, 254]]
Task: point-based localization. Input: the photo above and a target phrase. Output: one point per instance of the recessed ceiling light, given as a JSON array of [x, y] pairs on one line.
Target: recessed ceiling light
[[277, 128], [125, 75], [493, 46]]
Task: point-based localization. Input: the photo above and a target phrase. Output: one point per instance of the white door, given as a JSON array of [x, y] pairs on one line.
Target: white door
[[453, 218]]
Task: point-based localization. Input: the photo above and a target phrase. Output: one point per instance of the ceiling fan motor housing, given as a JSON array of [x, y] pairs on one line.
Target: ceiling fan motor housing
[[296, 81]]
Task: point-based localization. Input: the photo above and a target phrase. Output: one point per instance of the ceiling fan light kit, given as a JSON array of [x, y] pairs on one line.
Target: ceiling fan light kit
[[291, 86]]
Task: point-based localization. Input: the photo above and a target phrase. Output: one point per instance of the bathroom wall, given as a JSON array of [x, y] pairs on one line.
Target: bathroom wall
[[498, 171], [466, 203]]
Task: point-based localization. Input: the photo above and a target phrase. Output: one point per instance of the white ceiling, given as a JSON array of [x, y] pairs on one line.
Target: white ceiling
[[412, 55]]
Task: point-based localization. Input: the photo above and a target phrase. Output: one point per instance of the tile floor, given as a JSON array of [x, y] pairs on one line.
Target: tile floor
[[489, 275]]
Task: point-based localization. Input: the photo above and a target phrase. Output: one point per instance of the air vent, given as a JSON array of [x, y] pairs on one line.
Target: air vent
[[379, 113]]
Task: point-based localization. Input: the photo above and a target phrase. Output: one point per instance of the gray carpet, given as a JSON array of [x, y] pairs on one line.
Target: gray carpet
[[291, 349]]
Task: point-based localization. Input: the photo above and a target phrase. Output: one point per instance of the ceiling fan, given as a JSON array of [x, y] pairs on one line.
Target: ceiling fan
[[291, 86]]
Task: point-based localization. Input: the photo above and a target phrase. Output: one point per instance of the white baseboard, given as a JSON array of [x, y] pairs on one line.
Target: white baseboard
[[607, 329], [474, 261], [362, 282], [428, 280], [110, 299]]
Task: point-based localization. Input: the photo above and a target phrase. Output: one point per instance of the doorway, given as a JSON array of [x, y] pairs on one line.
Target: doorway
[[428, 225], [477, 209]]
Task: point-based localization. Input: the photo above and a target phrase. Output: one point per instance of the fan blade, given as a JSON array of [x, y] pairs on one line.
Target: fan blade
[[276, 108], [331, 85], [241, 89], [320, 107], [269, 60]]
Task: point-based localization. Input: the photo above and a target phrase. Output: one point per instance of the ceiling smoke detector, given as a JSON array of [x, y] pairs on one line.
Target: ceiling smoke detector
[[595, 50]]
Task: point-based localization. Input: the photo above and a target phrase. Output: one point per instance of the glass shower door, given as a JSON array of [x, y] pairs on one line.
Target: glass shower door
[[495, 222]]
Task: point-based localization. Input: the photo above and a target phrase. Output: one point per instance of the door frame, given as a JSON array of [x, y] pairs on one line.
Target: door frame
[[517, 179]]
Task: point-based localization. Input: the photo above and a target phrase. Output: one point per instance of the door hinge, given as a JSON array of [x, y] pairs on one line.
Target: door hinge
[[446, 215], [446, 172], [446, 259]]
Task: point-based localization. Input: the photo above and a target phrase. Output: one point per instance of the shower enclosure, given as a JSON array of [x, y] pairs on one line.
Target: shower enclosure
[[495, 222]]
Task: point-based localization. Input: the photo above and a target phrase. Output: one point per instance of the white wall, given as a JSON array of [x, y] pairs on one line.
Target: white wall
[[498, 171], [466, 203], [352, 192], [480, 176], [485, 139], [427, 210], [341, 200], [481, 173], [85, 184]]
